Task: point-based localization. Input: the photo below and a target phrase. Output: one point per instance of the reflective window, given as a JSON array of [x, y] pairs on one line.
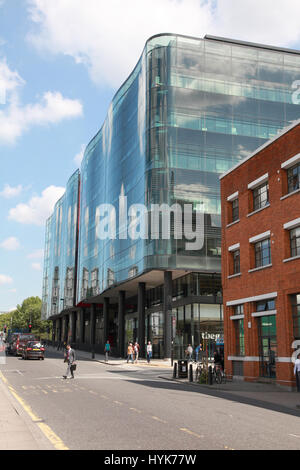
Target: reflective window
[[295, 303], [236, 262], [293, 175], [260, 196], [265, 305], [235, 210], [295, 241], [262, 253], [239, 337], [239, 310]]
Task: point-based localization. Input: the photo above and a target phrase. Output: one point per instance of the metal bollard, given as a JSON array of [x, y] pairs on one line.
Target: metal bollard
[[210, 377], [175, 370], [191, 378]]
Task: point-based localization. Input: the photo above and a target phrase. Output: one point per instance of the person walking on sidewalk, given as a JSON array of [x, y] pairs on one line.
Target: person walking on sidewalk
[[130, 353], [297, 372], [189, 352], [149, 351], [136, 351], [197, 351], [70, 359], [107, 350]]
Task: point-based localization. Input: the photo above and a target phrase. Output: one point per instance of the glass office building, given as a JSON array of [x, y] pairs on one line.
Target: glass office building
[[60, 258], [190, 110]]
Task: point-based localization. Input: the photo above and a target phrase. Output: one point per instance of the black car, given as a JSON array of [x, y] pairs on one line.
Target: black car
[[33, 350]]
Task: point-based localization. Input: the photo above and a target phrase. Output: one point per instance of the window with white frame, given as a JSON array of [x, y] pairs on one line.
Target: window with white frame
[[295, 241], [262, 253]]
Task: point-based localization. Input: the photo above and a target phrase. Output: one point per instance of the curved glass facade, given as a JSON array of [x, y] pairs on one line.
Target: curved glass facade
[[190, 110], [60, 259]]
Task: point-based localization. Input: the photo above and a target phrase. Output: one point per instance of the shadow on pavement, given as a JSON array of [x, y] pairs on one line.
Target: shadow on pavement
[[202, 390]]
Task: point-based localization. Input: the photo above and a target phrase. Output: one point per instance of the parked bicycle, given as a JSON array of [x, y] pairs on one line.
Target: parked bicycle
[[219, 375]]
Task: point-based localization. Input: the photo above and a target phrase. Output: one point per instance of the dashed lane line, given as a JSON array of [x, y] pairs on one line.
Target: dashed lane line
[[159, 419], [135, 410], [191, 433]]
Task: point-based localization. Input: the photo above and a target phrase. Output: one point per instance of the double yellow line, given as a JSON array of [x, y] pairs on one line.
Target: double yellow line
[[46, 430]]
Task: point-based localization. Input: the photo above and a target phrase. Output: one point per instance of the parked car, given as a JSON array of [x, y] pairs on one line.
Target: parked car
[[18, 343], [9, 342], [33, 350]]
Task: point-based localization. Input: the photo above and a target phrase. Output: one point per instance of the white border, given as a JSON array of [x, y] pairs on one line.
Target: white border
[[291, 162], [256, 298], [258, 181], [261, 236]]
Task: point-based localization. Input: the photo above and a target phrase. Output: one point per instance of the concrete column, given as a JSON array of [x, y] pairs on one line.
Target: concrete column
[[167, 313], [81, 327], [92, 323], [54, 330], [73, 327], [121, 315], [66, 328], [106, 318], [141, 317], [60, 329]]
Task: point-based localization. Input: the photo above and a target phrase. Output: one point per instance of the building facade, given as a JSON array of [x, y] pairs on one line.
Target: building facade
[[261, 261], [190, 110]]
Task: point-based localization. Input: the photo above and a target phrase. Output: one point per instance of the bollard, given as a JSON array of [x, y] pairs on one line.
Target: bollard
[[210, 377], [191, 378], [175, 370], [93, 353]]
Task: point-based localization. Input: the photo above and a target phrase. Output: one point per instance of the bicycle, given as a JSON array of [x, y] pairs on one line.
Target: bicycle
[[219, 375]]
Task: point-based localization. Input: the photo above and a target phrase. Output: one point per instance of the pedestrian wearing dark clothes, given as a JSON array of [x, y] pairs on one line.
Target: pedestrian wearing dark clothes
[[70, 359]]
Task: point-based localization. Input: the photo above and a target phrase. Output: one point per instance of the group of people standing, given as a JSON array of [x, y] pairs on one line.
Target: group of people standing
[[133, 351]]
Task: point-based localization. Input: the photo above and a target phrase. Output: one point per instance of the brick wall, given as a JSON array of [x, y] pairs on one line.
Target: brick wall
[[283, 278]]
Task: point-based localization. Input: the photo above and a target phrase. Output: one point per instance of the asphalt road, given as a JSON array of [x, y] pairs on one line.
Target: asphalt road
[[131, 408]]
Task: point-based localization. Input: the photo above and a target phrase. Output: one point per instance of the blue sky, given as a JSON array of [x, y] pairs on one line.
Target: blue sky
[[60, 64]]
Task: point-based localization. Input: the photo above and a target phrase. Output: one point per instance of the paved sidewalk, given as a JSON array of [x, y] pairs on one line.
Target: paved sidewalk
[[114, 361], [17, 430], [258, 394]]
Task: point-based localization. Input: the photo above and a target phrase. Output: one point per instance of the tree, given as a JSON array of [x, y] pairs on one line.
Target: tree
[[29, 312]]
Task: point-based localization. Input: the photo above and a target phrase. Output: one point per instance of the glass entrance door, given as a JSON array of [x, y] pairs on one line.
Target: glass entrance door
[[268, 346], [131, 329]]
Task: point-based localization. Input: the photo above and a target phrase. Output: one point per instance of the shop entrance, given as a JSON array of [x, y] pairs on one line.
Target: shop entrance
[[268, 346], [131, 329]]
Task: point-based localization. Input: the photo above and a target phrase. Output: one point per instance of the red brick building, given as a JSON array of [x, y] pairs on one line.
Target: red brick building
[[261, 261]]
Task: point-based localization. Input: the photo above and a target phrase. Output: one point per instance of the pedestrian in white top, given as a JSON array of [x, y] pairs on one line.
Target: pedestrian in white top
[[149, 351], [297, 372]]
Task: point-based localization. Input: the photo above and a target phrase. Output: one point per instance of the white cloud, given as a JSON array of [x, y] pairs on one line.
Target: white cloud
[[9, 80], [10, 192], [10, 244], [36, 266], [38, 208], [109, 37], [12, 291], [269, 21], [5, 279], [53, 108], [37, 254], [78, 158]]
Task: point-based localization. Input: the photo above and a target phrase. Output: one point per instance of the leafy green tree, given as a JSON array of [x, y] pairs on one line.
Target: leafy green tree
[[29, 312]]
